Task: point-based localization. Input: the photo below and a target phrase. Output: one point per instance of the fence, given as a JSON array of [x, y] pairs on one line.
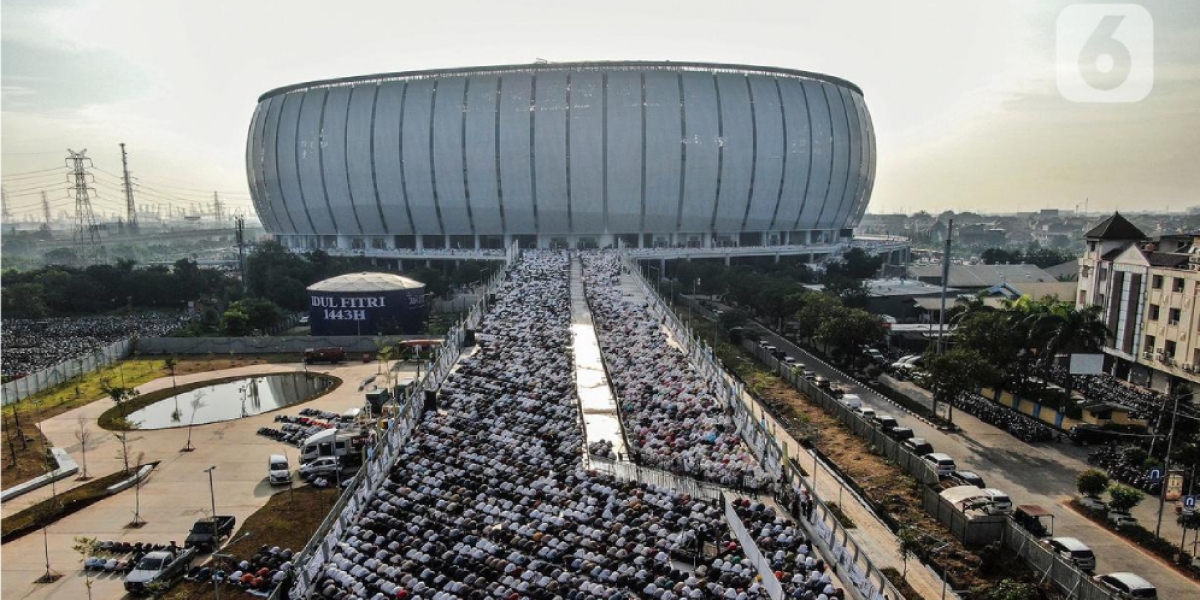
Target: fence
[[627, 471], [261, 345], [843, 553], [380, 459], [753, 554], [1072, 581], [49, 377]]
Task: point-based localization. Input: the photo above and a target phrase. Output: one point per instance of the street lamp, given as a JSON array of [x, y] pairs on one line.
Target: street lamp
[[212, 493]]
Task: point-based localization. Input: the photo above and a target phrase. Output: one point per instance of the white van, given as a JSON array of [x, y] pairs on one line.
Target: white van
[[278, 470], [851, 401], [942, 463], [1073, 550], [1128, 585], [998, 503]]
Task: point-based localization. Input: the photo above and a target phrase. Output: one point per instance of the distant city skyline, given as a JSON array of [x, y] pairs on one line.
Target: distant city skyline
[[963, 96]]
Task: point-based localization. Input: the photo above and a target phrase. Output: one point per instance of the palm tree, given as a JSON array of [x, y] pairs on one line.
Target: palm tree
[[965, 306]]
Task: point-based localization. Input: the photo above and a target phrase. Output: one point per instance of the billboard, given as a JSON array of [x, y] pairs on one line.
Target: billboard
[[1087, 364]]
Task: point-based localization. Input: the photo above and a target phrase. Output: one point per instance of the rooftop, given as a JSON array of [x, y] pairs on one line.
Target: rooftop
[[365, 281], [1115, 227]]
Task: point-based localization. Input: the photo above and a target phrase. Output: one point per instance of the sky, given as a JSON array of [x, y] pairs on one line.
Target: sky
[[967, 112]]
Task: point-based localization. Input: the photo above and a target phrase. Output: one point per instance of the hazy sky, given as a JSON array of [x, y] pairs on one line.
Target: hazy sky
[[963, 94]]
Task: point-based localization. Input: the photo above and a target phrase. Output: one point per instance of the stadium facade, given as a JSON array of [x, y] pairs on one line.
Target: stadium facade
[[575, 154]]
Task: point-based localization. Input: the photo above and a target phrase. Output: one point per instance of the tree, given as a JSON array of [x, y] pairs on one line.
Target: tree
[[1092, 482], [996, 256], [86, 547], [1067, 329], [197, 404], [119, 395], [1007, 589], [909, 544], [25, 300], [83, 434], [856, 264], [121, 429], [735, 317], [137, 494], [852, 292], [235, 322], [848, 329], [1122, 498], [956, 372], [815, 310], [169, 363]]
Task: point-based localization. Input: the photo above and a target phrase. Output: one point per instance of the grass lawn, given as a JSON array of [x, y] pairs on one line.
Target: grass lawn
[[288, 520], [23, 450]]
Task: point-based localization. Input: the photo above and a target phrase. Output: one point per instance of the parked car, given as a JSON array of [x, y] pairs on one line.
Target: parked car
[[968, 478], [903, 360], [901, 434], [866, 413], [162, 567], [822, 383], [278, 470], [324, 466], [789, 361], [998, 502], [852, 401], [918, 446], [876, 356], [209, 532], [885, 422], [1121, 519], [1128, 585], [942, 463], [1072, 550]]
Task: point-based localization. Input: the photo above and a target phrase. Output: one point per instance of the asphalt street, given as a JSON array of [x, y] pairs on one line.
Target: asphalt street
[[1041, 473]]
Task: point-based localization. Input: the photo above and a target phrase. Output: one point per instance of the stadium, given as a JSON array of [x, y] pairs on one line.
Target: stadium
[[637, 154]]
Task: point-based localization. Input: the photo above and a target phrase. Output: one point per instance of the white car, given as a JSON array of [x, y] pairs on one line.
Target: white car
[[1093, 503], [1128, 585], [1072, 550], [1121, 519], [324, 466]]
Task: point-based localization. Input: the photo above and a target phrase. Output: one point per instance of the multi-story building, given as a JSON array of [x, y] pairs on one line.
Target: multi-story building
[[1148, 291]]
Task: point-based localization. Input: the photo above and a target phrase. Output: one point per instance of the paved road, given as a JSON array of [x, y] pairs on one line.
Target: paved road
[[1031, 473]]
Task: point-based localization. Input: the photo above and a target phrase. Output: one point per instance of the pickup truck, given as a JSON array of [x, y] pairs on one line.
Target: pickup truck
[[159, 570], [207, 533]]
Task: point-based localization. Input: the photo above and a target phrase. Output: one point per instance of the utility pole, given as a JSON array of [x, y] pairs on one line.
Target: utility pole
[[46, 210], [130, 208], [1162, 487], [217, 208], [88, 245], [240, 224], [945, 282], [6, 215]]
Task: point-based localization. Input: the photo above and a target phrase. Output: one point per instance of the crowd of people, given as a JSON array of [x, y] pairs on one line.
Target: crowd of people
[[490, 498], [671, 417], [31, 345]]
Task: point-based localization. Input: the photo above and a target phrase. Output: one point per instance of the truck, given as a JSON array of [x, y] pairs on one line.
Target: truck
[[332, 355], [346, 444], [208, 532], [158, 570]]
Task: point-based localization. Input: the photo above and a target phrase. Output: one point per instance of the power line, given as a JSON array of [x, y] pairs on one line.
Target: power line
[[26, 173]]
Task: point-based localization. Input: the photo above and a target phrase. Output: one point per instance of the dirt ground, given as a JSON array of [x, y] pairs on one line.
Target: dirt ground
[[288, 520]]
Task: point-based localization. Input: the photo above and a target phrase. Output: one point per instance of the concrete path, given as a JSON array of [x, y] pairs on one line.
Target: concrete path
[[175, 495], [596, 400]]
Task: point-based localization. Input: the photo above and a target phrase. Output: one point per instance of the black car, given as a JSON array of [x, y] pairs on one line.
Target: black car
[[901, 433], [968, 478]]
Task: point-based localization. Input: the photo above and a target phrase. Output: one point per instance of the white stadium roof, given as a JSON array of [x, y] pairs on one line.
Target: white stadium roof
[[365, 282]]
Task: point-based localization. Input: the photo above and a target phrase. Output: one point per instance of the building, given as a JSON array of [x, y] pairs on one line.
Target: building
[[1147, 290], [569, 154], [980, 277]]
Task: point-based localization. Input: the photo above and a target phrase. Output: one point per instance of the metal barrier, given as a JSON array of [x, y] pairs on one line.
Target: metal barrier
[[753, 554], [626, 471], [19, 389], [866, 582], [382, 456]]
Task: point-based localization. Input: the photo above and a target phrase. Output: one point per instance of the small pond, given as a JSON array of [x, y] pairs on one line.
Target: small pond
[[231, 400]]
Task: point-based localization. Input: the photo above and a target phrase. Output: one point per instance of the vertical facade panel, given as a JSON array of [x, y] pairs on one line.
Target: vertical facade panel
[[417, 176], [797, 177], [309, 141], [480, 136], [515, 180], [256, 171], [854, 163], [333, 162], [738, 146], [821, 167], [448, 159], [550, 153], [388, 171], [624, 137], [840, 154], [700, 174], [587, 152], [287, 147], [869, 162], [664, 137], [768, 162], [359, 163]]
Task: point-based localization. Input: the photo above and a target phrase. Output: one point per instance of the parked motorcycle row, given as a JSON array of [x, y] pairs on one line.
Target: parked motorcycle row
[[1020, 426]]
